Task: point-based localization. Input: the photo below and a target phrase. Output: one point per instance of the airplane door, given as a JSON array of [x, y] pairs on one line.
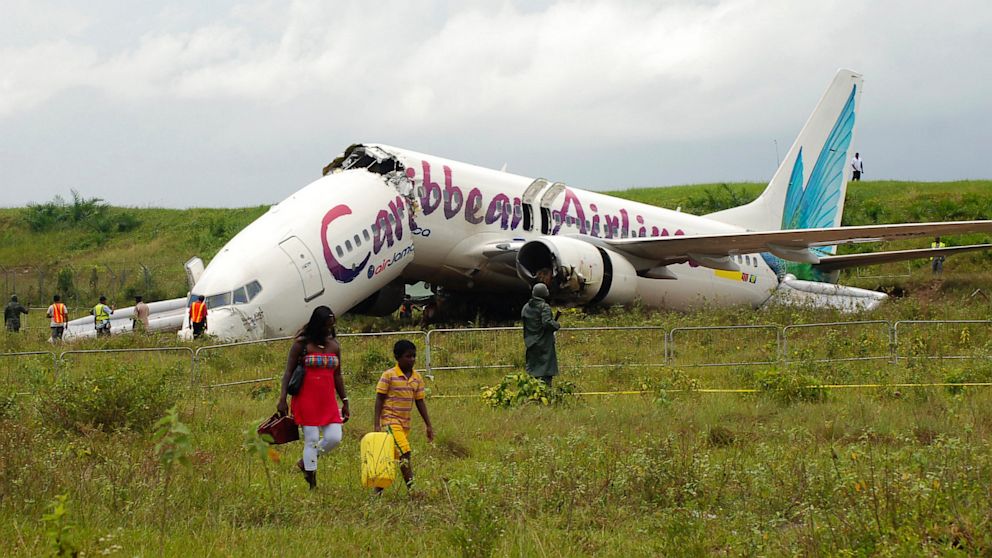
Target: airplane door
[[549, 196], [530, 194], [194, 269], [302, 258]]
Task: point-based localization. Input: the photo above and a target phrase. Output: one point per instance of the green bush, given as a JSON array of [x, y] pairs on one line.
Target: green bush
[[519, 389], [791, 387], [8, 405], [123, 399], [92, 212]]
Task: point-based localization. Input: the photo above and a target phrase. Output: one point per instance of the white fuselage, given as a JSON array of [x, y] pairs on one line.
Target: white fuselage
[[349, 234]]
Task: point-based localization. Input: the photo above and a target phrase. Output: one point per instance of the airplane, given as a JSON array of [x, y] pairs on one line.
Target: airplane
[[382, 217]]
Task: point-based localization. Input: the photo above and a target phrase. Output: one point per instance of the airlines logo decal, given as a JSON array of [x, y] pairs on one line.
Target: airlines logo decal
[[508, 212], [389, 231]]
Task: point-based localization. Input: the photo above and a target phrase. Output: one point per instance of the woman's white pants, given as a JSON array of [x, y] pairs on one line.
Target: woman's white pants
[[315, 446]]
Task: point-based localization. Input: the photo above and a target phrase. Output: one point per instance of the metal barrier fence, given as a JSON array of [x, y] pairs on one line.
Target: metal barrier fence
[[750, 354], [827, 342], [248, 362], [936, 347], [603, 348]]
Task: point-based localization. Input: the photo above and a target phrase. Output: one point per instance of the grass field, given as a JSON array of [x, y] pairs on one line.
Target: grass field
[[791, 469], [788, 468]]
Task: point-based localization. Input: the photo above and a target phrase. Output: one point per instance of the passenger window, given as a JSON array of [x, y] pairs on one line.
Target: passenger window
[[240, 296], [347, 245], [358, 241], [365, 233], [340, 251]]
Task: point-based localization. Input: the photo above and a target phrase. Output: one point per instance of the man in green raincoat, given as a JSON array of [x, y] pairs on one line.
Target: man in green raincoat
[[12, 314], [539, 335]]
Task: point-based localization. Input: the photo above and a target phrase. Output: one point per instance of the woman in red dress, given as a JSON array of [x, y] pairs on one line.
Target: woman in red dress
[[315, 407]]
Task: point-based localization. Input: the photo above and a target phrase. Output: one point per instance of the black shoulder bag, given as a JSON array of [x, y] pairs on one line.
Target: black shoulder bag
[[296, 379]]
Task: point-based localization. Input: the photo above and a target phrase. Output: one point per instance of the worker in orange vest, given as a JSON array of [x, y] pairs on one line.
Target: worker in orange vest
[[60, 316], [198, 316]]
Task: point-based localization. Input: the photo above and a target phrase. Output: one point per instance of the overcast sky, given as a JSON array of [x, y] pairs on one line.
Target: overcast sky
[[241, 103]]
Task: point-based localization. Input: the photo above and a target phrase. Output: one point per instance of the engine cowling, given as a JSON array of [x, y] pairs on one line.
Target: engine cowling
[[383, 302], [577, 271]]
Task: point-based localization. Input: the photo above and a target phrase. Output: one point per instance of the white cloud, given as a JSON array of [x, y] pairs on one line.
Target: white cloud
[[498, 76]]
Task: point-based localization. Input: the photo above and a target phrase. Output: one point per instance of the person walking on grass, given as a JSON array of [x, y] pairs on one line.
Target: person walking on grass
[[315, 407], [539, 335], [398, 390], [12, 314], [59, 315]]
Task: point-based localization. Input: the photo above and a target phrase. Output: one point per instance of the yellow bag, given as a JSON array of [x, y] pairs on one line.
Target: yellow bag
[[378, 465]]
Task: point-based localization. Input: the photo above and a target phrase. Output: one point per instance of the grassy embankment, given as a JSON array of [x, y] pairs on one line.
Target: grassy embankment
[[82, 262], [791, 469]]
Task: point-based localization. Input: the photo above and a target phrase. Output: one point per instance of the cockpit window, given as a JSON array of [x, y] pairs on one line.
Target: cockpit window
[[240, 296], [253, 289]]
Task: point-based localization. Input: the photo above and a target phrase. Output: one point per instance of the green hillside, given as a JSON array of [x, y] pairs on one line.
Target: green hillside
[[82, 248]]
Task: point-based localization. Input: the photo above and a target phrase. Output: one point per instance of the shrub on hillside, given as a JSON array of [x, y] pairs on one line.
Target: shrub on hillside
[[91, 212], [791, 387], [515, 390], [122, 399]]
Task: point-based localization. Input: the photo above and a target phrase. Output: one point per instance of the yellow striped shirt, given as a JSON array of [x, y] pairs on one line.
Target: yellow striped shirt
[[400, 394]]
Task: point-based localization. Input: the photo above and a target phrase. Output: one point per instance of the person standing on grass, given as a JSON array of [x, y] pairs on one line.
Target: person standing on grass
[[539, 335], [857, 167], [937, 262], [101, 317], [141, 313], [198, 316], [398, 390], [315, 407], [12, 314], [59, 315]]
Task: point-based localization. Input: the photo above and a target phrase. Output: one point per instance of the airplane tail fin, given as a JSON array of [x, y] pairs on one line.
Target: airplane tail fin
[[808, 189]]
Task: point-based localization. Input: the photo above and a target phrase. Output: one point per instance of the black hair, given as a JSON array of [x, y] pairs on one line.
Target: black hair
[[316, 330], [402, 346], [103, 298], [201, 298], [56, 298], [138, 298]]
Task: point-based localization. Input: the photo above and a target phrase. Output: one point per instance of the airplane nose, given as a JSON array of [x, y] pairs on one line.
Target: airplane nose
[[243, 323], [231, 323]]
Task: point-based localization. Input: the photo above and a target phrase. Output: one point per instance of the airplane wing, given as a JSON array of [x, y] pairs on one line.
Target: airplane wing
[[713, 250], [832, 263]]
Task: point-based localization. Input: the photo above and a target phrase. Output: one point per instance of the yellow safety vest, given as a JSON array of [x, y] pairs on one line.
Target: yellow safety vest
[[100, 313], [937, 245]]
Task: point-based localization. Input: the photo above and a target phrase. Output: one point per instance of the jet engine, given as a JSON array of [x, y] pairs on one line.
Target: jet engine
[[383, 302], [577, 271]]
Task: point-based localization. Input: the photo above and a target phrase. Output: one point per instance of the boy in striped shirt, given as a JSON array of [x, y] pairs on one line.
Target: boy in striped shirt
[[398, 390]]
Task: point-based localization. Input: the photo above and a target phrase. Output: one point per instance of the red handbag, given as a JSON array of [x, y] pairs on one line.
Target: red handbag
[[282, 428]]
